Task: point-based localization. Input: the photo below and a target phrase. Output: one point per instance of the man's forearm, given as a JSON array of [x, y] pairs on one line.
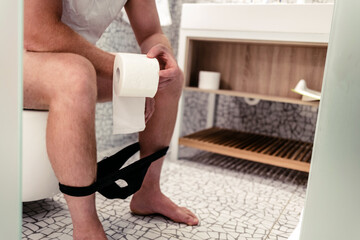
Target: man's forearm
[[61, 38], [154, 39]]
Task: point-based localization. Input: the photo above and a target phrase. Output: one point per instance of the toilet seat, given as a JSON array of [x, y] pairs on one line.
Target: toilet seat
[[38, 178]]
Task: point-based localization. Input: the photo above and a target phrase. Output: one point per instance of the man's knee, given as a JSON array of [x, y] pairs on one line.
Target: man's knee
[[175, 86], [78, 81]]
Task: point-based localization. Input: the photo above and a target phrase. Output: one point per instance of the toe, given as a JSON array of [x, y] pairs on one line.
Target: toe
[[190, 212], [189, 217]]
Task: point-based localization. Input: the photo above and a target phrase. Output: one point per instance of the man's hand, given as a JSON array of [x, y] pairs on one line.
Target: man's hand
[[169, 69], [169, 73]]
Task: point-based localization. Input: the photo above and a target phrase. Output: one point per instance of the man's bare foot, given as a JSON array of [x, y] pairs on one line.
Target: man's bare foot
[[146, 203], [92, 231], [86, 223], [90, 228]]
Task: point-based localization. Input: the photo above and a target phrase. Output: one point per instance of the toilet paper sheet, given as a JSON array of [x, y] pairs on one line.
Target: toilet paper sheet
[[135, 77]]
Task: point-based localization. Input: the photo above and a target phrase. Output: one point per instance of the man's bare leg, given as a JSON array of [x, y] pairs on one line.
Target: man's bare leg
[[159, 129], [149, 199], [66, 85]]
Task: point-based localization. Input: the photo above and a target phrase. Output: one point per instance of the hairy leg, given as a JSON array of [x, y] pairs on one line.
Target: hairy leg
[[66, 85], [159, 129], [149, 199]]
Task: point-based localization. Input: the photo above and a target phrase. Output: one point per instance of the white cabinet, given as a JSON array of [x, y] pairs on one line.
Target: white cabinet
[[261, 51]]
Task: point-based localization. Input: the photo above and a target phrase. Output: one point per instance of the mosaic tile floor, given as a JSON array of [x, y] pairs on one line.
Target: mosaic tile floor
[[234, 199]]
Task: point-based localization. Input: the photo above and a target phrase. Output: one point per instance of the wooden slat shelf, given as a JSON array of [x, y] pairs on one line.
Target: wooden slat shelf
[[259, 148], [253, 95]]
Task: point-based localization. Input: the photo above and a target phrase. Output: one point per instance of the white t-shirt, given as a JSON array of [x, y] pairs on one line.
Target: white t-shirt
[[90, 18]]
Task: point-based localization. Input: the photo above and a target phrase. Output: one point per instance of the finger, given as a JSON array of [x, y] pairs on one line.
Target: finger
[[163, 54], [156, 51], [168, 73], [165, 80], [164, 83]]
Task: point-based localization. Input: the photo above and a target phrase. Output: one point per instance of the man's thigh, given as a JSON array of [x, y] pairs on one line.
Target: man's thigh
[[47, 74]]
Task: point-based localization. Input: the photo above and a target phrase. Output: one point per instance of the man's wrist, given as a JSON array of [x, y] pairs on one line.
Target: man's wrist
[[153, 40]]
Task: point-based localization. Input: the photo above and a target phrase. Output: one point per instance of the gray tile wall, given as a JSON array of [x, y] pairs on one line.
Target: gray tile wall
[[277, 119]]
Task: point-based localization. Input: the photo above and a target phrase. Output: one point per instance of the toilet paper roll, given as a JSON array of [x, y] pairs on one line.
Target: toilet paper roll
[[209, 80], [135, 77]]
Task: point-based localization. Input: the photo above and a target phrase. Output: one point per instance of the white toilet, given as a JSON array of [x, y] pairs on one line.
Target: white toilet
[[38, 178]]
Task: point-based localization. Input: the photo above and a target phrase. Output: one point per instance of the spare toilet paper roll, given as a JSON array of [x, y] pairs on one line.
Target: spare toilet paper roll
[[135, 77], [209, 80]]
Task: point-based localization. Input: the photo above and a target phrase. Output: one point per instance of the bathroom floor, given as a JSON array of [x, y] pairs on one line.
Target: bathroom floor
[[234, 199]]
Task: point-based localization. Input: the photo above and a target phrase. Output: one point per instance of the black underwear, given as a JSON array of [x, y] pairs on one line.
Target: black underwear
[[108, 172]]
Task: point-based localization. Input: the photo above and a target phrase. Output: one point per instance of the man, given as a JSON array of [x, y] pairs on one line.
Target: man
[[65, 73]]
